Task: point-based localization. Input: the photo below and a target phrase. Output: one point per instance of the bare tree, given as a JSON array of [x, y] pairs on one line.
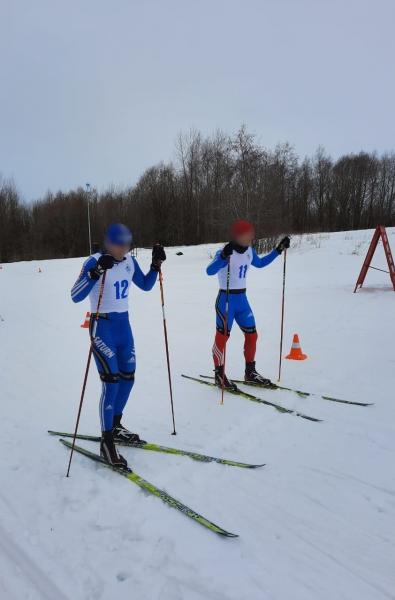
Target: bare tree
[[214, 180]]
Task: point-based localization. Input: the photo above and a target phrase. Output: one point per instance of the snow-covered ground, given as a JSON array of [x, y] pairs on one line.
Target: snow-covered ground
[[317, 523]]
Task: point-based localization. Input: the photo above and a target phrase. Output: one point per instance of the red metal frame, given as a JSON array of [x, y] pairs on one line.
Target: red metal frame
[[379, 233]]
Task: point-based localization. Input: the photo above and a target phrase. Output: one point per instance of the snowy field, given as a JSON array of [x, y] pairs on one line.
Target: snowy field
[[317, 523]]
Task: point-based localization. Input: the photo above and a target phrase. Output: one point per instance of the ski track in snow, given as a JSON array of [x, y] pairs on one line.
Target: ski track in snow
[[316, 523], [32, 582]]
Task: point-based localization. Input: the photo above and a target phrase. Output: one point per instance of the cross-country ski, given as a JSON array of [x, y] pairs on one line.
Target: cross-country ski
[[274, 386], [151, 489], [238, 392], [164, 449]]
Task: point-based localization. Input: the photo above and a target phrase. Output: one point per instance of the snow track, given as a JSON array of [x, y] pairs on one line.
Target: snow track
[[316, 523], [21, 576]]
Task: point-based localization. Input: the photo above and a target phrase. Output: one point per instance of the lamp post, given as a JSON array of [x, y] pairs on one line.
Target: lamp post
[[88, 194]]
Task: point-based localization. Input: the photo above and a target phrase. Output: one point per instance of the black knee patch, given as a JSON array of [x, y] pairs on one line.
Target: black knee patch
[[248, 329], [127, 376], [109, 377]]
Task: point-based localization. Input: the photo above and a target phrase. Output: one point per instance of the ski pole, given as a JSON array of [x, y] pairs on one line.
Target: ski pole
[[226, 328], [86, 371], [162, 296], [282, 315]]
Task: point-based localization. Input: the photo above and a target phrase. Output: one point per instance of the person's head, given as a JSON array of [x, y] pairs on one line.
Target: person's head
[[118, 240], [242, 233]]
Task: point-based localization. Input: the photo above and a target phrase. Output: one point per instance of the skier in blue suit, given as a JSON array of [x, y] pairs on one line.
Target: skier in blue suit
[[111, 334], [239, 255]]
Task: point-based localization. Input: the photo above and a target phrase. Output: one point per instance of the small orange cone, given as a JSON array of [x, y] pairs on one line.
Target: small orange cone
[[296, 351], [85, 324]]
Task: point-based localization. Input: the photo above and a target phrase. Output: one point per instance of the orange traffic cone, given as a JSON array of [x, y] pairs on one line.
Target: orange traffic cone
[[85, 324], [296, 351]]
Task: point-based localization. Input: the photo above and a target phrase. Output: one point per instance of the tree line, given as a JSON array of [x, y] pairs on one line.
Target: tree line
[[213, 180]]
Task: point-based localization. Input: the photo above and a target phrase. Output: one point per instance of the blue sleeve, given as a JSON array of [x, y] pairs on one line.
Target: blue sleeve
[[216, 264], [263, 261], [144, 282], [84, 283]]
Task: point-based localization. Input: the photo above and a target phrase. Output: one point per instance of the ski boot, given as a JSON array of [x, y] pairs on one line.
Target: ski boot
[[123, 435], [109, 451], [222, 381], [251, 375]]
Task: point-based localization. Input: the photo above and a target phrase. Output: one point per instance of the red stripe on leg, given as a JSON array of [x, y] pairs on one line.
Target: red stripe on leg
[[218, 348]]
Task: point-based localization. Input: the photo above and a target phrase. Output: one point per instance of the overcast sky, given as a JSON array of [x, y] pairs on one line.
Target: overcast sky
[[96, 91]]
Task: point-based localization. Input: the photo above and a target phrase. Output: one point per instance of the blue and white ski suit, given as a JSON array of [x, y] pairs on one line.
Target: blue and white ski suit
[[239, 308], [111, 335]]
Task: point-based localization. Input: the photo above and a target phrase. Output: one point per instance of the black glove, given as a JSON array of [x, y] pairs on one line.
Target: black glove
[[106, 261], [227, 250], [158, 256], [285, 243]]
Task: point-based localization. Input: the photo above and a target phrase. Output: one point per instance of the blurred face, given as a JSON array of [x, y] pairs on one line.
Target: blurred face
[[245, 240], [118, 252]]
